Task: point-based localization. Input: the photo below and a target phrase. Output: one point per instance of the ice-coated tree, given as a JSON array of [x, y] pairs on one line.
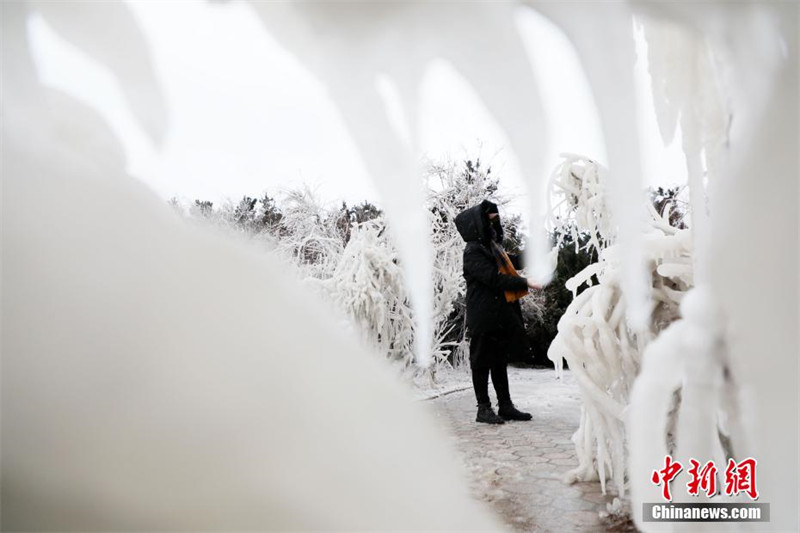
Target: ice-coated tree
[[594, 337], [348, 254], [368, 281]]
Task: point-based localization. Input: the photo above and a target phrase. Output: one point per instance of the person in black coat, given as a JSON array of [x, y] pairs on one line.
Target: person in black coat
[[492, 320]]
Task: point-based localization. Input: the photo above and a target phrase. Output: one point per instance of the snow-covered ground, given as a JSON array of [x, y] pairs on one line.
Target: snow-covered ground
[[518, 468], [548, 388], [447, 381]]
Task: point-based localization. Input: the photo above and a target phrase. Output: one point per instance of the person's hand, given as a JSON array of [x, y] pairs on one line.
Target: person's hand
[[533, 285]]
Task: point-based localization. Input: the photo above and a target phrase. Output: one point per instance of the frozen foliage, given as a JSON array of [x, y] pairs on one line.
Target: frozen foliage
[[310, 237], [348, 47], [367, 285], [578, 202], [684, 402], [450, 190], [601, 349], [699, 392], [60, 381], [533, 306], [348, 255], [728, 62]]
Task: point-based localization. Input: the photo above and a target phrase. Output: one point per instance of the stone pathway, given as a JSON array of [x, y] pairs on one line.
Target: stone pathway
[[518, 467]]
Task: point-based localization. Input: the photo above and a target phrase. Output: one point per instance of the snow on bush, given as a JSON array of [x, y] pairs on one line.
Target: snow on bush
[[348, 255], [310, 238], [367, 284], [450, 191]]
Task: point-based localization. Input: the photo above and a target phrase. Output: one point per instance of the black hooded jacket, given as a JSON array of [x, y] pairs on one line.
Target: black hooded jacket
[[487, 309]]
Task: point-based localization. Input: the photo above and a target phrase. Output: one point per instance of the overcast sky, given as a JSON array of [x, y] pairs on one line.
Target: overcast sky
[[245, 117]]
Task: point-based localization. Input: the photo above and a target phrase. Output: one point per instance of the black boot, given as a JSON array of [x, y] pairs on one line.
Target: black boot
[[509, 412], [486, 414]]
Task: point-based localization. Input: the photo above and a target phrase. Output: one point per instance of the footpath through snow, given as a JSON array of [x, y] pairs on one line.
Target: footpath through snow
[[518, 467]]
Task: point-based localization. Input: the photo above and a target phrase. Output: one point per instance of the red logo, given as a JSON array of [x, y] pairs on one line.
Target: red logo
[[665, 475], [704, 478], [739, 477]]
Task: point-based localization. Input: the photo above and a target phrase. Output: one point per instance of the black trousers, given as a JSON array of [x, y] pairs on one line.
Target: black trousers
[[480, 382], [489, 356]]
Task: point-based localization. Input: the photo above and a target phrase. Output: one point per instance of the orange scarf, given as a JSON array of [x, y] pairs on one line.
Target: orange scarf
[[508, 269]]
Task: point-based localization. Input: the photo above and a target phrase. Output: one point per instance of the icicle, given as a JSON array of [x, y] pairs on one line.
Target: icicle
[[155, 341]]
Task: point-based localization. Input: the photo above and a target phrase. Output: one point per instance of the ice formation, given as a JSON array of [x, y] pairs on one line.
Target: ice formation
[[366, 281], [609, 69], [156, 377], [727, 74], [93, 321], [692, 98], [349, 47], [602, 349], [348, 256], [685, 400], [698, 392], [367, 285]]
